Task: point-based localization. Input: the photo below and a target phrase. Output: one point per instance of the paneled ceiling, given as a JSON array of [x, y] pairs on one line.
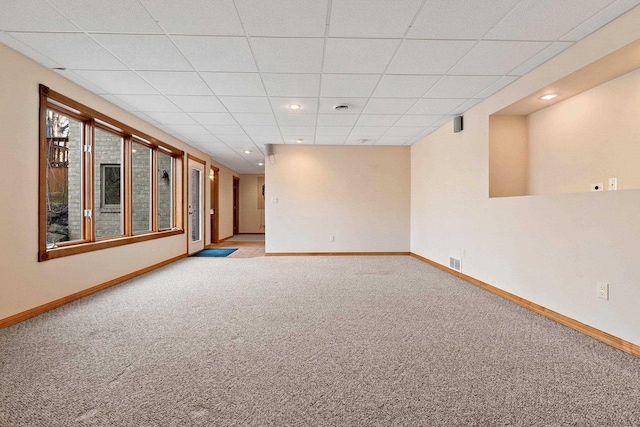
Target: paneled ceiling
[[221, 74]]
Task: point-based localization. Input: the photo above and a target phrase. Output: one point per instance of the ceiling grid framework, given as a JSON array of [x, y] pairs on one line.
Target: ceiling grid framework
[[221, 74]]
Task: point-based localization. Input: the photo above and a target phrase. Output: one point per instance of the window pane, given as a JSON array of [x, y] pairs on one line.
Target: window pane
[[141, 170], [195, 205], [64, 178], [165, 191], [108, 196]]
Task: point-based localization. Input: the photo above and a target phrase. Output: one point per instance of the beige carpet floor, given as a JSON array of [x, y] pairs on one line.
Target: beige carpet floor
[[317, 341]]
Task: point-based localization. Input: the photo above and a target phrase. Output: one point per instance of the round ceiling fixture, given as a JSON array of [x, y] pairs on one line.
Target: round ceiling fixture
[[341, 107], [300, 141], [294, 106], [248, 151], [260, 164], [549, 96], [362, 141]]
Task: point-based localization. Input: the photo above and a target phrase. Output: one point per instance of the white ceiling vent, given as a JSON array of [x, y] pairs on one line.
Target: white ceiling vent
[[454, 263]]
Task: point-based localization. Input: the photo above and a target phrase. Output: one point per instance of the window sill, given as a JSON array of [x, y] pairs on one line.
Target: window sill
[[103, 244]]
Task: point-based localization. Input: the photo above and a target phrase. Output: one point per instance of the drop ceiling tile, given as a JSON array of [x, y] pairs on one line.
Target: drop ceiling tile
[[204, 17], [369, 131], [33, 15], [119, 102], [225, 129], [288, 55], [406, 132], [361, 140], [435, 106], [502, 83], [297, 130], [337, 119], [118, 82], [418, 120], [208, 53], [176, 82], [458, 19], [71, 50], [460, 86], [443, 121], [145, 117], [281, 105], [378, 119], [209, 141], [296, 119], [389, 105], [27, 51], [404, 86], [234, 84], [262, 130], [333, 130], [149, 103], [114, 16], [253, 119], [293, 139], [540, 58], [545, 19], [188, 129], [267, 139], [392, 140], [371, 18], [428, 56], [496, 57], [199, 104], [327, 105], [305, 85], [359, 56], [144, 52], [80, 80], [224, 119], [242, 140], [605, 16], [466, 106], [283, 18], [350, 85], [330, 139], [171, 118], [247, 104]]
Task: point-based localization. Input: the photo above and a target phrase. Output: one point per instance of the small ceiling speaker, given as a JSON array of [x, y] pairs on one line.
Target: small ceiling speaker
[[341, 107], [268, 149], [458, 124]]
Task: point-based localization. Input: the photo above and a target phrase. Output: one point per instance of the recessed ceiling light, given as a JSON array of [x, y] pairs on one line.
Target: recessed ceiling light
[[294, 106], [300, 141], [260, 164], [248, 151], [362, 141], [549, 96], [59, 68]]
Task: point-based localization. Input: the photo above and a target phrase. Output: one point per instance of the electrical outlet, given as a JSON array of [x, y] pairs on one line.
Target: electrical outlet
[[332, 238], [603, 290], [597, 186], [274, 200], [613, 184]]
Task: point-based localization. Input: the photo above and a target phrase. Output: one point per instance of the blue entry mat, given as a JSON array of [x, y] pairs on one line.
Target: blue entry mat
[[216, 252]]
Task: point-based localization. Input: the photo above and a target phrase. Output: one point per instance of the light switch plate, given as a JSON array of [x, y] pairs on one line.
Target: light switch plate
[[613, 184]]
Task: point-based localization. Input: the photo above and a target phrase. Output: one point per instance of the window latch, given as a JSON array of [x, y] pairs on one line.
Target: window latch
[[87, 148], [87, 213]]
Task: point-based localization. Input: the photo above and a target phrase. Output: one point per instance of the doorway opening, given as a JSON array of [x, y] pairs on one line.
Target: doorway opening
[[236, 205], [214, 178]]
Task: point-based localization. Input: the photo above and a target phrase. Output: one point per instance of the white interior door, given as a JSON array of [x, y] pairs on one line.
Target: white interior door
[[196, 206]]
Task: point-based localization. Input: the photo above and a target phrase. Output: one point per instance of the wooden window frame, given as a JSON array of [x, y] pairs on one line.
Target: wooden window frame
[[92, 119]]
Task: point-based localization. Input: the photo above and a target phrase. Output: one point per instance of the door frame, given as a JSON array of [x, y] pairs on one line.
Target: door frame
[[203, 192], [236, 205], [214, 203]]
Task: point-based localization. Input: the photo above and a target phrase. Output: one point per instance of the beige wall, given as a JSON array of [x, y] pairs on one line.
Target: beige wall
[[27, 283], [508, 156], [358, 194], [587, 139], [251, 217], [550, 249]]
